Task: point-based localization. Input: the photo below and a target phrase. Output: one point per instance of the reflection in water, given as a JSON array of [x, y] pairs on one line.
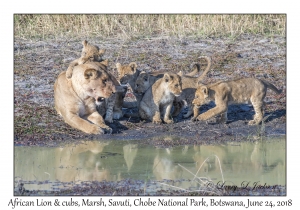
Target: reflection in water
[[262, 162]]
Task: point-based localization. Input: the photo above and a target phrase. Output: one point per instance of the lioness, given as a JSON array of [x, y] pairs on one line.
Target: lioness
[[111, 107], [76, 98], [160, 96], [89, 53], [236, 91], [189, 85]]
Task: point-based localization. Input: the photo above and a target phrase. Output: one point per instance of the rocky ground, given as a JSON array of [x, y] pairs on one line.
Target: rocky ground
[[38, 63]]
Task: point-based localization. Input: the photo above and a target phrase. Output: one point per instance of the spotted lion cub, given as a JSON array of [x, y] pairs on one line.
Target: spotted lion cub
[[89, 53], [232, 92], [159, 98]]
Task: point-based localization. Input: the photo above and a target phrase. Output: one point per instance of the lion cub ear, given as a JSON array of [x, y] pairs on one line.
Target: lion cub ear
[[118, 65], [204, 90], [168, 77], [180, 73], [91, 74], [105, 62], [133, 66], [102, 51], [84, 43]]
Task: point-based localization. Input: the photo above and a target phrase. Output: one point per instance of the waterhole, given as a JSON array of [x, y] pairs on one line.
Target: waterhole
[[253, 164]]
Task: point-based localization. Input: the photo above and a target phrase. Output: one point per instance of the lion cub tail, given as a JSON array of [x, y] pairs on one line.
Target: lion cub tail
[[272, 87], [208, 59]]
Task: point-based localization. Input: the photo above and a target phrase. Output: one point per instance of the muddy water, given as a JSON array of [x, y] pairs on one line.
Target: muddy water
[[262, 162]]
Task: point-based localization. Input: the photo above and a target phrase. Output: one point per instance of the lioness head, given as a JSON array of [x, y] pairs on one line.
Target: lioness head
[[142, 83], [90, 53], [173, 82], [201, 95], [126, 72], [93, 81]]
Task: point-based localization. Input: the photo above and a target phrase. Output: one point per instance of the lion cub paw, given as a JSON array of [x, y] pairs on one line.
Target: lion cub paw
[[109, 119], [221, 121], [108, 130], [158, 121], [252, 122], [194, 118], [169, 121], [117, 115]]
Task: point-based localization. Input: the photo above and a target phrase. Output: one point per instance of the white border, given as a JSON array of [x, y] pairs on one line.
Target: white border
[[154, 6]]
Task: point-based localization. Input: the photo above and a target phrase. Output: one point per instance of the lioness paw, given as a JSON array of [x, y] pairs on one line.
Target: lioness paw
[[96, 130]]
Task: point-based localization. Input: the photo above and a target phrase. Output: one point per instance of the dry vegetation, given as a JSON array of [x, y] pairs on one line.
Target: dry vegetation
[[136, 26], [239, 45]]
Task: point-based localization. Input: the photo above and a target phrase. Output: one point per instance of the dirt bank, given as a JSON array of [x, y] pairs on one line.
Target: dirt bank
[[38, 63]]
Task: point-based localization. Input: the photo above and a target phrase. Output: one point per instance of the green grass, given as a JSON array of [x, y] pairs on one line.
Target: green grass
[[145, 26]]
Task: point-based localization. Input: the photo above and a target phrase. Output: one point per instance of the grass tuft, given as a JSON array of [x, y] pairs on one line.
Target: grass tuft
[[41, 26]]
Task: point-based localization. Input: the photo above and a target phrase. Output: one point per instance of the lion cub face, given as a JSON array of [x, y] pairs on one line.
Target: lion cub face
[[90, 53], [173, 82], [142, 83], [201, 96], [98, 84], [126, 72]]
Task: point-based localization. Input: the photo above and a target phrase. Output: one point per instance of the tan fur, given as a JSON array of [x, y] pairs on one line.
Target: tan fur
[[89, 53], [189, 84], [76, 98], [159, 98], [232, 92], [127, 74], [111, 107]]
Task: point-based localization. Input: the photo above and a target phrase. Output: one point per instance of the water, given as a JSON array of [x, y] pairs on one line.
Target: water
[[42, 168]]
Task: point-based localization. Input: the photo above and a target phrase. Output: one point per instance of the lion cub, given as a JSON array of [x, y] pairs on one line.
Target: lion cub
[[189, 84], [232, 92], [76, 98], [130, 74], [89, 53], [159, 97]]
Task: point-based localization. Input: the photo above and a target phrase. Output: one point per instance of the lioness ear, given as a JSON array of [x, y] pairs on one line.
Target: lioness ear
[[204, 89], [84, 43], [91, 74], [133, 66], [180, 73], [105, 62], [102, 51]]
